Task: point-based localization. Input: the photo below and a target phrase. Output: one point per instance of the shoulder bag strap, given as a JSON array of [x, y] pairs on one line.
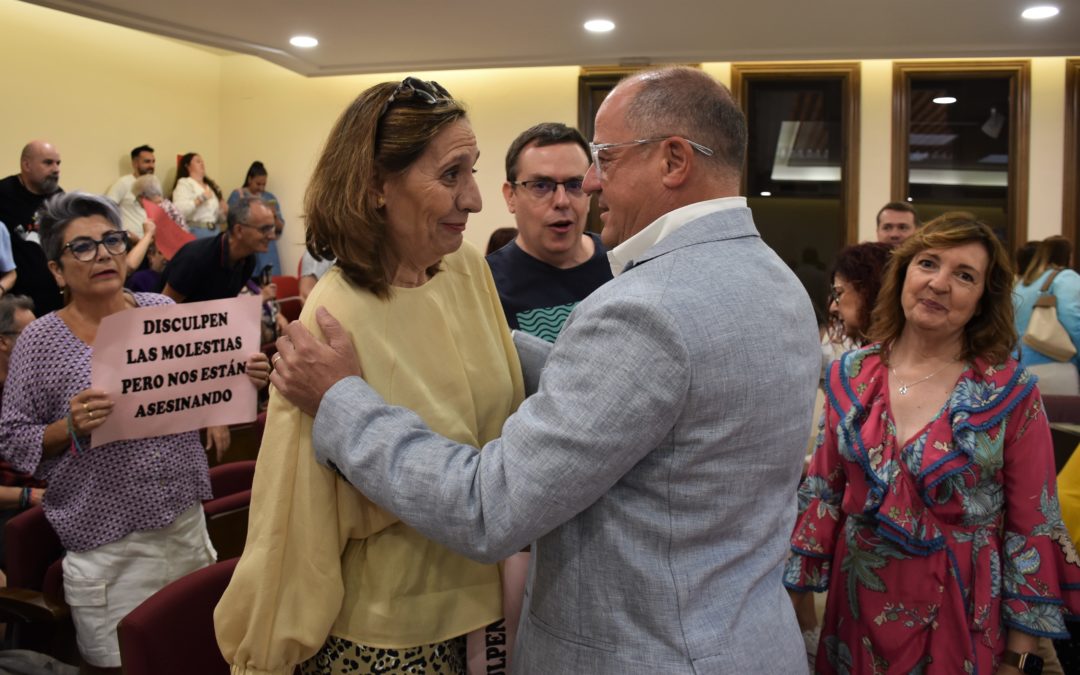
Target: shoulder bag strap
[[1049, 281]]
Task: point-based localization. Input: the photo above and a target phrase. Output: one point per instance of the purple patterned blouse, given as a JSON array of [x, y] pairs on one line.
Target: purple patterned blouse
[[99, 495]]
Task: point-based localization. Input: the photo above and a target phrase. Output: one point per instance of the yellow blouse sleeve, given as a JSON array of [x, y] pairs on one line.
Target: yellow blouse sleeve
[[287, 589], [1069, 494]]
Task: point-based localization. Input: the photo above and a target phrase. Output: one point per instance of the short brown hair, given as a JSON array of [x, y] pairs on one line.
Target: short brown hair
[[991, 332], [897, 206], [370, 142], [542, 135]]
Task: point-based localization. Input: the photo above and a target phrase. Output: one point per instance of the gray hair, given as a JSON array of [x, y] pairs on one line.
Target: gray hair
[[9, 305], [147, 186], [59, 210], [240, 211], [688, 102]]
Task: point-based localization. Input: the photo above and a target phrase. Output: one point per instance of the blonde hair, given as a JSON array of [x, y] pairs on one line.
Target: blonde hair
[[991, 332]]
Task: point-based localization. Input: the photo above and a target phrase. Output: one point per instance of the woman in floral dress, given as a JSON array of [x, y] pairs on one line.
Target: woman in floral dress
[[929, 510]]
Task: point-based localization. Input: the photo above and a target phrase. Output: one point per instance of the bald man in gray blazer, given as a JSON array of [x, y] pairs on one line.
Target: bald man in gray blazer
[[654, 471]]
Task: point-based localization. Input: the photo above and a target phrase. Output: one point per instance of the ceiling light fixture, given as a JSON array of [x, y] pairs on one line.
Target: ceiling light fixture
[[599, 26], [303, 41], [1040, 12], [945, 100]]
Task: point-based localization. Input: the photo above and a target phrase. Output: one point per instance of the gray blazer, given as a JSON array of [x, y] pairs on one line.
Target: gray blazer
[[654, 470]]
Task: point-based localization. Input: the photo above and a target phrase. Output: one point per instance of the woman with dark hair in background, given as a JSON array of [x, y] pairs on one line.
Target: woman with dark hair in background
[[327, 579], [930, 510], [854, 284], [197, 197], [1024, 254], [856, 280], [255, 186], [1052, 258]]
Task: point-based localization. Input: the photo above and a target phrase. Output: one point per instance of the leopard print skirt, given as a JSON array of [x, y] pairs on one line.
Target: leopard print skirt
[[339, 656]]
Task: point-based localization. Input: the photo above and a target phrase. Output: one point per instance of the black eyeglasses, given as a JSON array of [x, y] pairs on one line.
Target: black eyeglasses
[[84, 249], [543, 187], [428, 93]]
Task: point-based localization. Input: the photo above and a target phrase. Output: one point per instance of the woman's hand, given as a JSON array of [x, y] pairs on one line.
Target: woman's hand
[[88, 410], [36, 495], [269, 292], [258, 370], [218, 439], [149, 227]]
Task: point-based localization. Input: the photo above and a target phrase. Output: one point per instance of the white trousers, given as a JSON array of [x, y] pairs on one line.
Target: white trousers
[[104, 584]]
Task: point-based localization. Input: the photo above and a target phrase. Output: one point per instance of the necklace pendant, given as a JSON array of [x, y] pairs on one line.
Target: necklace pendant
[[903, 390]]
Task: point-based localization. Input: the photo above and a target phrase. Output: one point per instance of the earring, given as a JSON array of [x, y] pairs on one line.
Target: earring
[[380, 202]]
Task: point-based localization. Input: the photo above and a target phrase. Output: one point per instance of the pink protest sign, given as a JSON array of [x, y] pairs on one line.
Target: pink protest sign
[[175, 368], [168, 236]]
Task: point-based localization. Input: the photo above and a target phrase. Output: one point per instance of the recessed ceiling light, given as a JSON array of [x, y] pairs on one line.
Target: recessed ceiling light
[[766, 193], [1040, 12], [304, 41], [945, 100], [599, 25]]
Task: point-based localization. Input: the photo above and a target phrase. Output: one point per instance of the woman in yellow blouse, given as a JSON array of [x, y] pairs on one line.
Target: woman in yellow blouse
[[328, 580]]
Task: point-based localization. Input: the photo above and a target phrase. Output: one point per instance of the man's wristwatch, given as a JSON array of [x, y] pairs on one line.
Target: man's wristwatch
[[1028, 663]]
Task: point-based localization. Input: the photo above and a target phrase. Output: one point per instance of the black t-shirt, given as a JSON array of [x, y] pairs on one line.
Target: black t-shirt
[[200, 270], [33, 278], [537, 297]]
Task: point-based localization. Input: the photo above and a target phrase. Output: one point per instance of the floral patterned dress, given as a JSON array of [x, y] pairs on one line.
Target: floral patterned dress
[[932, 550]]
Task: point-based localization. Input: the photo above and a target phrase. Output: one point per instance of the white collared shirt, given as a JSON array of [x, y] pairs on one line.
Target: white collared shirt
[[636, 245]]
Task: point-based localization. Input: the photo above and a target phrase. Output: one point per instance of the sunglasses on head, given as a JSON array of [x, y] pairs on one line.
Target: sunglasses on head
[[417, 91]]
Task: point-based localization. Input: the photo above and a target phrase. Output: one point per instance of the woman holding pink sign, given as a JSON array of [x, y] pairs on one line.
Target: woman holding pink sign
[[129, 513]]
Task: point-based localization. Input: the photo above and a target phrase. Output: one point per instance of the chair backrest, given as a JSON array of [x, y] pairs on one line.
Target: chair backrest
[[227, 513], [33, 601], [32, 546], [231, 477], [288, 296], [172, 631], [1064, 409]]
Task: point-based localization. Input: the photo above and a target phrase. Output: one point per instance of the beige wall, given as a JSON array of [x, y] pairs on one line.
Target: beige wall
[[282, 119], [1047, 167], [97, 90], [1046, 177]]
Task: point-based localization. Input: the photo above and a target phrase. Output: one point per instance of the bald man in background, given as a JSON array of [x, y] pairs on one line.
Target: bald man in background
[[21, 195]]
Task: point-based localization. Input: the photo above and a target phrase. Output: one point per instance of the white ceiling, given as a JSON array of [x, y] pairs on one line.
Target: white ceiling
[[371, 36]]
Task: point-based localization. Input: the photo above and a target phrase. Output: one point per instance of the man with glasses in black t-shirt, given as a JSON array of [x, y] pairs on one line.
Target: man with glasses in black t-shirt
[[217, 268], [553, 263]]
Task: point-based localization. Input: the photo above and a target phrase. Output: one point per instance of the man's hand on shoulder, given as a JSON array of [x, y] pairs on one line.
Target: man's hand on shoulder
[[305, 369]]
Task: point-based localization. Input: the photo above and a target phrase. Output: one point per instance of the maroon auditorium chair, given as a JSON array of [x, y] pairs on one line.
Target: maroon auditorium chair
[[227, 512], [172, 632], [288, 296], [33, 604]]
